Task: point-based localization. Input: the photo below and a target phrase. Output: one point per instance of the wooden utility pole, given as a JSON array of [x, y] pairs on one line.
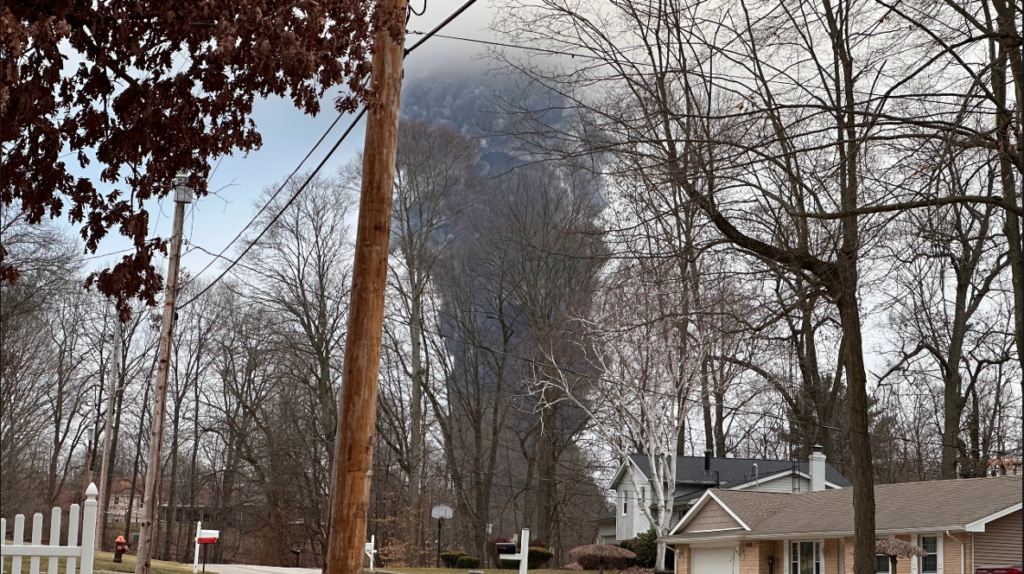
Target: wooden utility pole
[[108, 435], [182, 195], [358, 410]]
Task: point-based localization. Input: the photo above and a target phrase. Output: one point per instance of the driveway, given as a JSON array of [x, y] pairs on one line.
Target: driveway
[[251, 569]]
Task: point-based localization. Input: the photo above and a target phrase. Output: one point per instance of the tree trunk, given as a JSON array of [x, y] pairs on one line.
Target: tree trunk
[[173, 487], [547, 466], [1008, 60], [414, 519]]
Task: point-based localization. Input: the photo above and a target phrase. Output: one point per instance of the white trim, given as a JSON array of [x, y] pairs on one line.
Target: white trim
[[617, 477], [915, 562], [979, 525], [783, 474], [701, 503], [787, 556], [672, 538]]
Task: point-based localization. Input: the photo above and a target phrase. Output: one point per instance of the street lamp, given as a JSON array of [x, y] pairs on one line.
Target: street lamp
[[90, 434]]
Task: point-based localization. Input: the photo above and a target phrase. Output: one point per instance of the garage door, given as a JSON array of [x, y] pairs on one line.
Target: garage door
[[713, 561]]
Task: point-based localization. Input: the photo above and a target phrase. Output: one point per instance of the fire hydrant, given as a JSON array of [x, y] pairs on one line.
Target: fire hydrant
[[120, 547]]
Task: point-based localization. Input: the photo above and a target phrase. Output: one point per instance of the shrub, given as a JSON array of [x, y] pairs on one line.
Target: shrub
[[537, 557], [450, 558], [645, 546], [594, 563], [467, 562], [508, 564]]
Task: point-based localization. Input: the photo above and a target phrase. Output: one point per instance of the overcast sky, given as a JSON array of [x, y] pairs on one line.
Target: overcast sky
[[288, 135]]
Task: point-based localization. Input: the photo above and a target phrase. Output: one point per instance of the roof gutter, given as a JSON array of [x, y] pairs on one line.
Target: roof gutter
[[748, 535]]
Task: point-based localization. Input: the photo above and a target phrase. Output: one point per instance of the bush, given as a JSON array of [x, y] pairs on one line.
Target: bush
[[508, 564], [594, 563], [645, 546], [537, 557], [467, 562], [450, 558]]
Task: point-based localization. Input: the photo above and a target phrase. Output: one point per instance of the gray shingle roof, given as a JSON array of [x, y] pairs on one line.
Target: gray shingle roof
[[939, 505], [733, 471]]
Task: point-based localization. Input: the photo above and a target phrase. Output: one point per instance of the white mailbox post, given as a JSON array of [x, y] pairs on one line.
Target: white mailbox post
[[524, 552], [203, 537], [368, 549]]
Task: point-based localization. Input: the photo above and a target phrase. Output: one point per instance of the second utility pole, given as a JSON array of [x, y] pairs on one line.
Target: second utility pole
[[182, 195], [357, 414], [108, 436]]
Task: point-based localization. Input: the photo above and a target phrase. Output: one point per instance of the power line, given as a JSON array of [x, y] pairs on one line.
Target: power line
[[291, 200], [277, 216], [272, 197], [514, 46]]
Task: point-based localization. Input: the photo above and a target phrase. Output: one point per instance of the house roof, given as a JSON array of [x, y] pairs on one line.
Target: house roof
[[964, 504], [731, 471]]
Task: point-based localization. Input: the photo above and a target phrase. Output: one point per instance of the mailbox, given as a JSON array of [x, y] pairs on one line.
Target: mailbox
[[208, 536], [506, 548]]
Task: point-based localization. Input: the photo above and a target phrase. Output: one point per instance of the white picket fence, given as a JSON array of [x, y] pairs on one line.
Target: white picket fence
[[35, 549]]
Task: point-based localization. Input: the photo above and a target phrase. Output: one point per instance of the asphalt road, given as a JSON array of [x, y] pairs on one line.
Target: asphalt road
[[251, 569]]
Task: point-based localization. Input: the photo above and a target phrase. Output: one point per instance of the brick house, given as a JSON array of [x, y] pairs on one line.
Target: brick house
[[962, 525]]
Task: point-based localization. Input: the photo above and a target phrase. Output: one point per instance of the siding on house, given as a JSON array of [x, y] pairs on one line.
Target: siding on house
[[633, 522], [712, 517], [1000, 544], [782, 484]]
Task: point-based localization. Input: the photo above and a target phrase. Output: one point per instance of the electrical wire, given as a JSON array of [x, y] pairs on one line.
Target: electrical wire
[[272, 197], [315, 171], [277, 216]]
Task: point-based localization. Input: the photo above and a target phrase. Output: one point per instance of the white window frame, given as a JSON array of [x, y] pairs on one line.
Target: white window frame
[[819, 555], [889, 571], [625, 503], [938, 551]]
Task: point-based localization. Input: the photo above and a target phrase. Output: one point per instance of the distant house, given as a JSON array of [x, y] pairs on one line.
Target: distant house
[[120, 495], [960, 524], [695, 475]]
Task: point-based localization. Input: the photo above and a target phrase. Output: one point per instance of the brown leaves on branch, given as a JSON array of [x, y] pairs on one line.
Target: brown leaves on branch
[[151, 88]]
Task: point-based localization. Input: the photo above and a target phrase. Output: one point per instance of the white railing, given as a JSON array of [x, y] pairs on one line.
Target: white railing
[[35, 549]]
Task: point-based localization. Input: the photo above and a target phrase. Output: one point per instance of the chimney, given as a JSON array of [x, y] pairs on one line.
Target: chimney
[[817, 468], [707, 461]]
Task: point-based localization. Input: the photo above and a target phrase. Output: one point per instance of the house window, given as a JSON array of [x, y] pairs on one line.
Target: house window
[[882, 563], [625, 501], [805, 558], [643, 496], [930, 562]]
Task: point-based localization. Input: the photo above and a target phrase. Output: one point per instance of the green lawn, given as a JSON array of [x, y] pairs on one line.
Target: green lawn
[[105, 562]]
